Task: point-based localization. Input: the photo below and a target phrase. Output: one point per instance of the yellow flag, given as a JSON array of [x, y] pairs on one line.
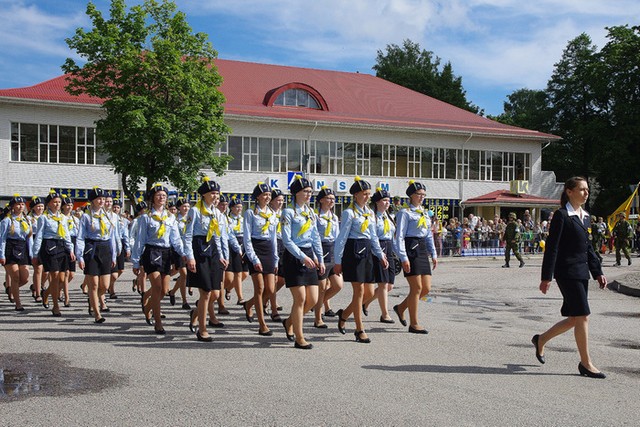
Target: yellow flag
[[612, 220]]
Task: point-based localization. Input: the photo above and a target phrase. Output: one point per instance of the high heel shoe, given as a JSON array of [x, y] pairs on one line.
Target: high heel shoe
[[359, 339], [341, 322], [587, 373], [397, 310], [192, 327], [45, 304], [364, 310], [539, 356], [286, 330], [307, 346], [246, 312], [417, 331], [208, 338]]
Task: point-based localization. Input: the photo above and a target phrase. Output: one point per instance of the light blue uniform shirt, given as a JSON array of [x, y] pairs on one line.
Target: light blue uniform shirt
[[231, 236], [380, 218], [293, 219], [124, 233], [198, 225], [407, 226], [48, 229], [114, 219], [18, 232], [72, 224], [89, 229], [323, 220], [253, 229], [148, 235], [351, 228]]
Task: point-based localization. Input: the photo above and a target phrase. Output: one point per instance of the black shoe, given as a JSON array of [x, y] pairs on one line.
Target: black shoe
[[286, 330], [133, 287], [113, 295], [362, 340], [106, 310], [160, 331], [341, 322], [383, 320], [307, 346], [330, 313], [186, 306], [364, 310], [417, 331], [587, 373], [89, 310], [276, 317], [172, 299], [397, 310], [56, 313], [100, 320], [44, 300], [320, 325], [19, 308], [539, 356], [246, 312], [216, 325], [267, 333], [227, 294], [204, 339], [240, 302], [223, 311], [629, 263], [521, 264], [192, 327], [506, 265]]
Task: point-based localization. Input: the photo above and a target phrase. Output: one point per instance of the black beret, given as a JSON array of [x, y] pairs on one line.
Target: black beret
[[359, 185]]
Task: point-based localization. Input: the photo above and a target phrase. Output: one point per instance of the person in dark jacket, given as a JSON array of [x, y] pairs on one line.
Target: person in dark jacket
[[569, 258]]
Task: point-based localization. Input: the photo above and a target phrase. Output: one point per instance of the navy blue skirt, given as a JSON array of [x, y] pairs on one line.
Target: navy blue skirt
[[574, 297]]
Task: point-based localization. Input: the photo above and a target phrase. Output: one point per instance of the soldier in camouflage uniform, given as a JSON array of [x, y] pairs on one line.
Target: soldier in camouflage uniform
[[512, 238], [622, 233]]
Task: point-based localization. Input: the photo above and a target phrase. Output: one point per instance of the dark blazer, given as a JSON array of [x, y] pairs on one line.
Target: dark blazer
[[568, 252]]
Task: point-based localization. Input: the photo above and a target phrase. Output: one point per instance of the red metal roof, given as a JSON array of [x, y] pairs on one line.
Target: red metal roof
[[352, 98], [506, 198]]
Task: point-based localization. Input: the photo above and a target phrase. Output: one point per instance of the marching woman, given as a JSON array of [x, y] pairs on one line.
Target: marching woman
[[157, 232], [225, 233], [53, 249], [414, 242], [122, 241], [276, 204], [302, 257], [384, 277], [329, 283], [238, 270], [139, 283], [178, 262], [96, 250], [354, 246], [261, 249], [205, 257], [15, 240], [72, 224], [37, 208], [569, 258]]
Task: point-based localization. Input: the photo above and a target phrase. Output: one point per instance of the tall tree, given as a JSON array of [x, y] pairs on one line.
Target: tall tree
[[527, 108], [162, 110], [420, 70]]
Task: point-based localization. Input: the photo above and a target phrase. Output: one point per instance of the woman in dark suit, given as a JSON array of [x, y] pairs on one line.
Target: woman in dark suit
[[569, 258]]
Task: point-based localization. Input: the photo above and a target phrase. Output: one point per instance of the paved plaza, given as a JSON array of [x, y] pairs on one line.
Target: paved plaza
[[475, 367]]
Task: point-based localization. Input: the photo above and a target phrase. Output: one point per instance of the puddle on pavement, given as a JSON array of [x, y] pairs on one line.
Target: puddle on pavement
[[24, 375]]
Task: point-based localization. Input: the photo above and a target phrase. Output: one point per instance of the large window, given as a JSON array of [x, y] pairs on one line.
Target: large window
[[264, 154], [32, 142]]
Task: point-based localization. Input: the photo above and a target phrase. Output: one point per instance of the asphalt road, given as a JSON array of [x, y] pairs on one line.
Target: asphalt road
[[475, 367]]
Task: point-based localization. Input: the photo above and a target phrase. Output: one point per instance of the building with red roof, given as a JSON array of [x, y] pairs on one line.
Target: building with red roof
[[330, 125]]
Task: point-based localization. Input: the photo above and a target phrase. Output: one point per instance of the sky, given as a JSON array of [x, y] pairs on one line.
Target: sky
[[496, 46]]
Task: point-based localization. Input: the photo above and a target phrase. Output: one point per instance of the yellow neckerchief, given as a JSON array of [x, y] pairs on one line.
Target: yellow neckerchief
[[366, 215], [183, 223], [214, 226], [307, 214], [238, 220], [58, 218], [103, 225], [386, 226], [23, 223], [266, 216], [161, 219], [329, 218], [33, 218], [422, 222], [70, 222]]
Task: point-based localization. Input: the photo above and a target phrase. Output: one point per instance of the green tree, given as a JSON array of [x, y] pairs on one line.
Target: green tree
[[420, 70], [162, 110], [527, 108]]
